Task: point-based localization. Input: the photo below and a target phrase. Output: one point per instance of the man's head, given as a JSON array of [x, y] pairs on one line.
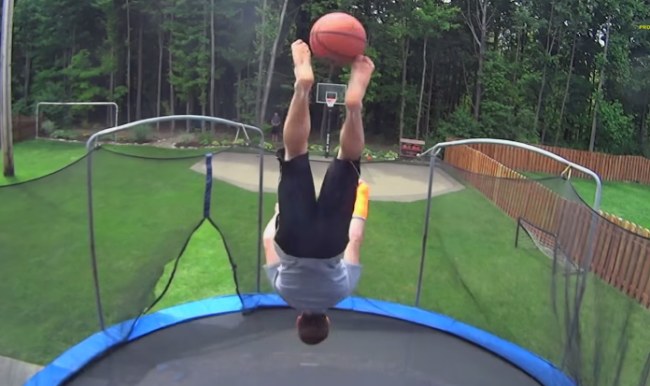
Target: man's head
[[313, 328], [275, 114]]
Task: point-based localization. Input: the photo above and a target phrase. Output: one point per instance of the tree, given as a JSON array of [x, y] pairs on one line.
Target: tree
[[432, 18], [128, 60], [534, 71], [269, 73], [478, 15], [553, 30], [260, 66], [6, 140], [601, 82]]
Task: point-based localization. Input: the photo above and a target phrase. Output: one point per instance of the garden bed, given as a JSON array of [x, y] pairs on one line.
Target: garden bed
[[199, 144], [107, 140], [314, 149], [368, 155], [77, 136], [189, 145], [143, 135], [138, 135]]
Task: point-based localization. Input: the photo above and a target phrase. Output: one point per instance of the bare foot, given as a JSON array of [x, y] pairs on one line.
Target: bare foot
[[362, 69], [302, 65]]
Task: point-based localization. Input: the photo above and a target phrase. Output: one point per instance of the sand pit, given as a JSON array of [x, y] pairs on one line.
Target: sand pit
[[388, 181]]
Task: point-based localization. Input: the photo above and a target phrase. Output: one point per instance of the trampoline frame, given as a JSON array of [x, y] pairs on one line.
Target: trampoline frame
[[74, 359]]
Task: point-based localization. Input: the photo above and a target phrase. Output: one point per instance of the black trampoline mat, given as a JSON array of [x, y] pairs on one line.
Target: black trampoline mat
[[262, 349]]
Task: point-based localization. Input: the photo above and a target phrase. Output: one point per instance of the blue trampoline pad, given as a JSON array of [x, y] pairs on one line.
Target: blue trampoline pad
[[202, 344]]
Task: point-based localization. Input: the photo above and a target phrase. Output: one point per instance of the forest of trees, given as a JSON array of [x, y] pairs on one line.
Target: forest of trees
[[572, 73]]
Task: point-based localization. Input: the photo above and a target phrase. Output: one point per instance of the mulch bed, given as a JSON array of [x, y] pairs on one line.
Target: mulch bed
[[103, 139], [190, 144]]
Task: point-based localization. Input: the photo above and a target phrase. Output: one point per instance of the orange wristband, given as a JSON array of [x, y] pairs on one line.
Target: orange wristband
[[361, 204]]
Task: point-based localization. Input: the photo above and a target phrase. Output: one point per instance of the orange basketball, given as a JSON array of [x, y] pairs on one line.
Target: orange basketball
[[338, 37]]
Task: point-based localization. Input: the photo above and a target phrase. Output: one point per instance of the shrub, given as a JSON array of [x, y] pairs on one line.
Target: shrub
[[376, 155], [316, 148], [63, 134], [240, 142], [48, 127], [205, 139], [141, 133]]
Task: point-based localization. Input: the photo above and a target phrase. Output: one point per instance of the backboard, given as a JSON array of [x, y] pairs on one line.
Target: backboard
[[330, 90]]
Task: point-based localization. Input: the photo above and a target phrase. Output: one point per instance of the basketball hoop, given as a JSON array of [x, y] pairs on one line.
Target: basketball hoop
[[330, 102]]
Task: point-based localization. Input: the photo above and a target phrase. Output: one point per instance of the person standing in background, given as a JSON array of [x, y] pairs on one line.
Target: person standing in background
[[275, 127]]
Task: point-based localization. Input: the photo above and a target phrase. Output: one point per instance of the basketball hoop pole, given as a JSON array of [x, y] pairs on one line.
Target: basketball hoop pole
[[328, 94], [330, 106]]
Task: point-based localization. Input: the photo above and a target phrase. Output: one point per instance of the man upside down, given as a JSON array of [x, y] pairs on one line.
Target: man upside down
[[312, 245]]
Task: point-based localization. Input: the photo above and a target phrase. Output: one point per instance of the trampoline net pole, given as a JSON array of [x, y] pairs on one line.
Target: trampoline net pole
[[260, 219], [91, 235], [425, 232]]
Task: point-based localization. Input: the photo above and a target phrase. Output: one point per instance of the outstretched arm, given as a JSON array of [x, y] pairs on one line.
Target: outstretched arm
[[268, 239], [358, 224], [353, 250]]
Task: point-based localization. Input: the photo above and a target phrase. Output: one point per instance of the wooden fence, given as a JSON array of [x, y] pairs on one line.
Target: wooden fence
[[23, 128], [627, 225], [609, 167], [620, 256]]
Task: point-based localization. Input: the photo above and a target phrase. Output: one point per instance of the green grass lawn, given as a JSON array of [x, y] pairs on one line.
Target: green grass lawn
[[200, 274], [146, 209], [628, 200], [37, 158]]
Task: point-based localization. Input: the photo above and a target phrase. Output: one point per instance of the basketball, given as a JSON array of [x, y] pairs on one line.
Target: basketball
[[338, 37]]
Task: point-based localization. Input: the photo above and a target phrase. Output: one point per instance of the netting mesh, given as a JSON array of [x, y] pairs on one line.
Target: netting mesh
[[145, 209], [566, 300], [45, 271], [235, 211], [156, 214], [526, 260]]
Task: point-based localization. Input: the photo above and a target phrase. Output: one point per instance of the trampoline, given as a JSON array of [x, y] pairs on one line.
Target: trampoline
[[372, 342], [103, 332]]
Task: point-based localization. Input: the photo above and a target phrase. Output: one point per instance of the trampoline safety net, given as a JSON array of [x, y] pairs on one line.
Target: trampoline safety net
[[145, 209], [515, 258], [528, 260]]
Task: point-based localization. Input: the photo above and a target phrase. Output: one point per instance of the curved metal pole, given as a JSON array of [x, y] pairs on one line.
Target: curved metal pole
[[130, 125], [91, 144], [599, 185]]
